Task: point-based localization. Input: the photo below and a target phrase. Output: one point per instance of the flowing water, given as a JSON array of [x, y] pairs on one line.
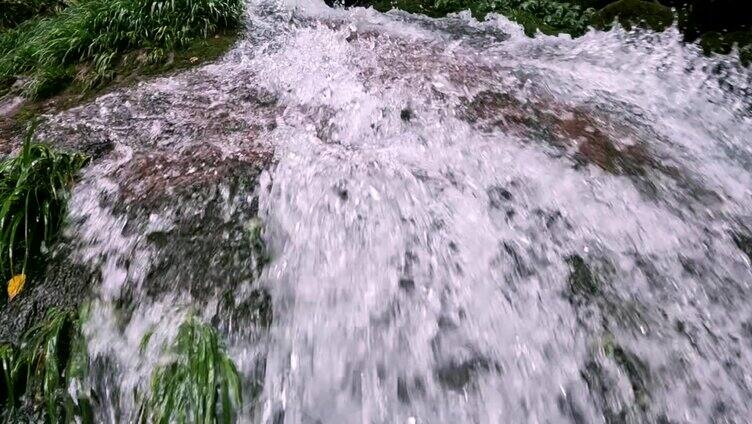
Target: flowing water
[[462, 224]]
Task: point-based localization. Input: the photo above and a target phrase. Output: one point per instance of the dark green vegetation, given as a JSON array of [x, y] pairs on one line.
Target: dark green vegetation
[[717, 24], [34, 187], [630, 13], [40, 370], [89, 40], [13, 12], [199, 384], [44, 376], [548, 16]]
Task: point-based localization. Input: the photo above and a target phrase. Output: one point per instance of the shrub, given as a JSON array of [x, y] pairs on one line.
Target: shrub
[[199, 384], [33, 196], [98, 32]]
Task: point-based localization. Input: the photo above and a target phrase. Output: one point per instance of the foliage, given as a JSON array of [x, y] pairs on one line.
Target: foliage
[[33, 195], [634, 12], [723, 43], [42, 355], [13, 12], [199, 384], [97, 33], [78, 397], [50, 358], [548, 16], [10, 385]]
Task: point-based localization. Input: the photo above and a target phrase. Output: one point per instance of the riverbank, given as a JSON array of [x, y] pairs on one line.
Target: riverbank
[[717, 27]]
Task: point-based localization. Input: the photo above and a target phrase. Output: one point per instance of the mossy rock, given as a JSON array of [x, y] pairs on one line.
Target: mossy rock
[[631, 13]]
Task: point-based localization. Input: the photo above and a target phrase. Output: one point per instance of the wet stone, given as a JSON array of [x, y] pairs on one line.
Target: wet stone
[[582, 281], [457, 375], [744, 243], [406, 115], [498, 197], [407, 284]]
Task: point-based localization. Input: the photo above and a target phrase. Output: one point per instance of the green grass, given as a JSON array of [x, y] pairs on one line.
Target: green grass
[[50, 358], [10, 385], [34, 187], [86, 41], [42, 355], [199, 383]]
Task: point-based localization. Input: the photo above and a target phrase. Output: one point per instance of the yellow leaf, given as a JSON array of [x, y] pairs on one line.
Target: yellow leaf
[[15, 285]]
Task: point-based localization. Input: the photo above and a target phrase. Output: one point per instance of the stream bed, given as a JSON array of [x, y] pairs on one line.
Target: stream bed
[[460, 224]]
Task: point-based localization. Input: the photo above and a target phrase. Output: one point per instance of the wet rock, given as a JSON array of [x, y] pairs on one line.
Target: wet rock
[[588, 137], [151, 179], [570, 409], [407, 284], [409, 389], [498, 196], [253, 309], [582, 281], [744, 243], [457, 375], [637, 372], [518, 263], [63, 285]]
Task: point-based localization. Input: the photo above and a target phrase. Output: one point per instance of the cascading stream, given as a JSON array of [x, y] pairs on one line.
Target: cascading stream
[[464, 224]]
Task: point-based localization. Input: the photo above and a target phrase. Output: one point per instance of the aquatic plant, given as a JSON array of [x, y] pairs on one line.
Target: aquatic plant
[[93, 34], [199, 383], [34, 188]]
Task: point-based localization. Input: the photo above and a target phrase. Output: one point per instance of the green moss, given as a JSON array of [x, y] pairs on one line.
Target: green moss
[[631, 13]]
